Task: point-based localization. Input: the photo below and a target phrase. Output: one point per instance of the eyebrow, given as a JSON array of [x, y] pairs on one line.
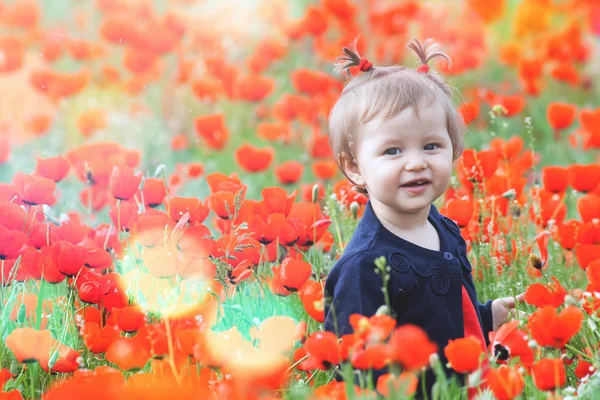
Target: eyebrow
[[394, 139]]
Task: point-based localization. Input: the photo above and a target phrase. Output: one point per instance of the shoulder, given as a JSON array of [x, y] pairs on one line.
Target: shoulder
[[357, 265], [356, 262], [445, 221]]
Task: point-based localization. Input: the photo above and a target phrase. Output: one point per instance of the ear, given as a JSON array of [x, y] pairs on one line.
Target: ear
[[350, 167]]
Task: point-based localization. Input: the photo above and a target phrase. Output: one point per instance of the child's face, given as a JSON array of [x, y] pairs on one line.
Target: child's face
[[392, 154]]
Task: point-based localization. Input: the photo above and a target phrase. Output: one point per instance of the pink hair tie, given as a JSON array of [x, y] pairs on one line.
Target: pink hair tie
[[424, 68], [365, 65]]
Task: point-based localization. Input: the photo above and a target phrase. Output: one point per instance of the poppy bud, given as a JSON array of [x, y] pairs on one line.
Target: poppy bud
[[21, 314], [354, 209], [315, 193], [159, 170], [53, 359], [499, 110], [383, 310], [509, 194], [89, 175]]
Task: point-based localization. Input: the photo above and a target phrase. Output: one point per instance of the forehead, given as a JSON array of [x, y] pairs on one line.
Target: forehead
[[429, 118]]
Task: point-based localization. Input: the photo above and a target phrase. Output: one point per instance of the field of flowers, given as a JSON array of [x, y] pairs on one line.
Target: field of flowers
[[170, 206]]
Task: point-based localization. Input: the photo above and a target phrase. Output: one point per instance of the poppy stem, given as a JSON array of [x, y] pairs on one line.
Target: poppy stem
[[32, 379], [297, 363], [119, 219], [545, 276], [89, 203], [579, 352]]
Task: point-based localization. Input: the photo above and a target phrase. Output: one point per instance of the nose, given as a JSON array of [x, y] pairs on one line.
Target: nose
[[415, 162]]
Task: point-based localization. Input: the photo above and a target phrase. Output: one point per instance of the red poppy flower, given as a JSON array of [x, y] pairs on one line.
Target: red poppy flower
[[551, 207], [123, 183], [324, 349], [275, 282], [325, 169], [584, 178], [311, 295], [311, 82], [11, 215], [572, 232], [196, 242], [213, 130], [276, 228], [68, 258], [253, 159], [129, 319], [508, 150], [289, 172], [294, 273], [371, 357], [154, 192], [128, 353], [309, 222], [66, 361], [99, 198], [255, 88], [469, 111], [126, 213], [29, 345], [178, 206], [584, 369], [194, 170], [47, 267], [549, 374], [92, 286], [34, 190], [555, 330], [460, 210], [219, 182], [276, 200], [560, 115], [12, 243], [541, 240], [478, 166], [540, 295], [509, 342], [410, 347], [555, 179], [374, 329], [222, 204], [593, 274], [55, 168], [586, 253], [505, 382], [464, 354], [513, 104], [588, 207], [97, 339]]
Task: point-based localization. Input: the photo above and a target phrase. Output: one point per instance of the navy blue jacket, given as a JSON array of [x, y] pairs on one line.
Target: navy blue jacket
[[425, 286]]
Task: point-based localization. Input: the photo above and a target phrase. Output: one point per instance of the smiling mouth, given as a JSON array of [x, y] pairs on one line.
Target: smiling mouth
[[416, 183]]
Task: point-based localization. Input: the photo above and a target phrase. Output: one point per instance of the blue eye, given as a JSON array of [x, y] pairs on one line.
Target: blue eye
[[431, 146], [393, 151]]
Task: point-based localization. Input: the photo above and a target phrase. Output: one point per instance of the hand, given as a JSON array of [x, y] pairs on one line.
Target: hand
[[503, 307]]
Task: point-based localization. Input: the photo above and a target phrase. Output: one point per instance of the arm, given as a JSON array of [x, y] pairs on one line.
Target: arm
[[357, 290]]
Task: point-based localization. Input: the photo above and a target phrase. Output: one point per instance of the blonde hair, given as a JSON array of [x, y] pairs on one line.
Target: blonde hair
[[387, 91]]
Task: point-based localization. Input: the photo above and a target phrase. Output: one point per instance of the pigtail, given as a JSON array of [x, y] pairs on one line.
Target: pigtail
[[351, 58], [426, 51]]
